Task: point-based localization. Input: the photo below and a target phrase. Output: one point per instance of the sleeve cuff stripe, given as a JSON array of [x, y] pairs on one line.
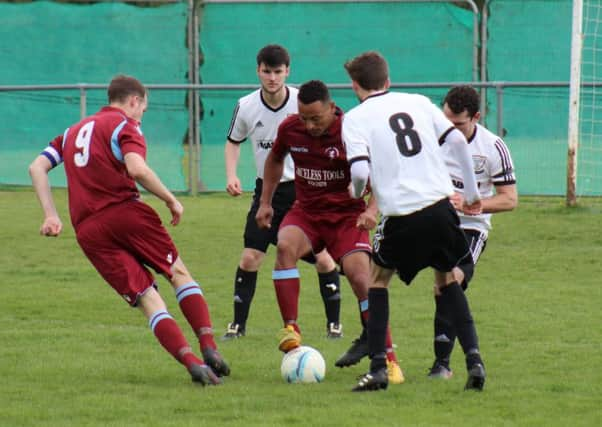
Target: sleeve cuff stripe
[[360, 158], [444, 135], [52, 155]]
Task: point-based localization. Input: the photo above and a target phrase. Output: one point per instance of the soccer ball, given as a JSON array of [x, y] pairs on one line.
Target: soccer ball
[[303, 365]]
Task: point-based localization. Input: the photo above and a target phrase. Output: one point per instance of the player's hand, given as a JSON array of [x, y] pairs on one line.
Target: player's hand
[[176, 209], [51, 227], [457, 201], [367, 220], [475, 208], [233, 187], [264, 216]]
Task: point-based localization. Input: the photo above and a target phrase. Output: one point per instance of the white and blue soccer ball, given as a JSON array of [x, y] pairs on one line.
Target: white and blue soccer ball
[[303, 365]]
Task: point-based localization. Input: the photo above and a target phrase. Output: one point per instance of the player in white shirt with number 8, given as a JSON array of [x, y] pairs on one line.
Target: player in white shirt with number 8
[[393, 139]]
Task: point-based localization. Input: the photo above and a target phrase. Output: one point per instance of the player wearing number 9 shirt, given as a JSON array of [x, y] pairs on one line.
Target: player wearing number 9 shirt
[[104, 156], [393, 138]]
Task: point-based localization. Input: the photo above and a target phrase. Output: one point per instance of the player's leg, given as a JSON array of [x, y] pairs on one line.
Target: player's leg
[[131, 280], [256, 242], [245, 283], [455, 309], [292, 245], [449, 249], [357, 270], [378, 301], [356, 266], [444, 332], [170, 336], [139, 230], [157, 250], [194, 307], [351, 247], [330, 289]]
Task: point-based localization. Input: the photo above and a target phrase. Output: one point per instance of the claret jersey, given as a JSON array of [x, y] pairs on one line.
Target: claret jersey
[[253, 118], [492, 167], [95, 169], [322, 174], [399, 134]]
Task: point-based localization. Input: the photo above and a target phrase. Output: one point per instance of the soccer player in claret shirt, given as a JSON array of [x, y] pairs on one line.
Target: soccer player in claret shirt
[[497, 186], [257, 116], [104, 157], [393, 139], [324, 215]]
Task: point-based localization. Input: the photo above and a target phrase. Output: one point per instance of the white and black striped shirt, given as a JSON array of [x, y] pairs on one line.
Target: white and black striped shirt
[[253, 118], [493, 166]]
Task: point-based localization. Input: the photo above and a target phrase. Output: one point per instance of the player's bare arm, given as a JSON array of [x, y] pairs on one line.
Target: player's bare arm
[[231, 156], [504, 200], [273, 169], [38, 170], [146, 177]]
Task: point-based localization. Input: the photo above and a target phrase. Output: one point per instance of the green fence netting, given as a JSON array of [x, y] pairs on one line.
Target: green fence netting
[[49, 43], [55, 43], [423, 42], [530, 41]]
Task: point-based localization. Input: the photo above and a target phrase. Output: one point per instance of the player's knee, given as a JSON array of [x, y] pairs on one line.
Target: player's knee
[[324, 262], [359, 280], [251, 260], [467, 273], [287, 250], [150, 302], [179, 273]]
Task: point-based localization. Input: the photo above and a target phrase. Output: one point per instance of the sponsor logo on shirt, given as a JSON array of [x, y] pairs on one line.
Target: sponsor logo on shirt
[[259, 124], [299, 149], [460, 185], [479, 163], [266, 144], [319, 177], [332, 152]]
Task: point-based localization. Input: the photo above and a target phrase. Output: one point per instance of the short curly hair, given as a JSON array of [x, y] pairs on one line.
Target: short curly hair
[[461, 98], [312, 91]]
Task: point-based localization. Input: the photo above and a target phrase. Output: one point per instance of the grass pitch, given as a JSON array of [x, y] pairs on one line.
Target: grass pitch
[[73, 354]]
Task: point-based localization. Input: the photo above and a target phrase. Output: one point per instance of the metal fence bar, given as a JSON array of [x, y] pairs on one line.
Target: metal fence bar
[[83, 102], [484, 47], [192, 65], [499, 91], [193, 123], [204, 86], [198, 185], [194, 135]]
